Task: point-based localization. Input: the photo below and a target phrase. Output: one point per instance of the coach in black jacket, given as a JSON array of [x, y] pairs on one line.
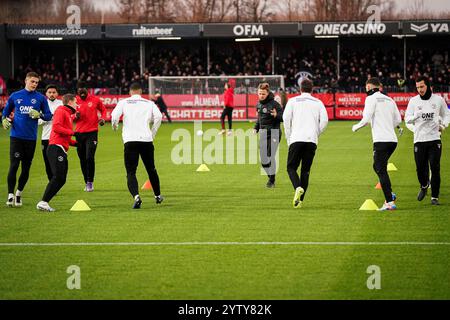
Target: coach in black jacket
[[270, 115]]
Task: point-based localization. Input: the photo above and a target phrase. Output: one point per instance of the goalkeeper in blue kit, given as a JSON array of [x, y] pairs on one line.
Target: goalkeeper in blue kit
[[28, 106]]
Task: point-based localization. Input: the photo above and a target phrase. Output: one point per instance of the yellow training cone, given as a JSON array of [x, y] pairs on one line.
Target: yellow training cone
[[80, 205], [369, 204], [391, 167], [203, 168]]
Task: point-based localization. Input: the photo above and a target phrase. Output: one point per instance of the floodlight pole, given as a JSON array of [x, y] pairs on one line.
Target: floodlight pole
[[273, 55], [208, 61], [404, 62], [246, 101], [338, 58], [12, 58], [142, 56], [150, 86], [77, 60]]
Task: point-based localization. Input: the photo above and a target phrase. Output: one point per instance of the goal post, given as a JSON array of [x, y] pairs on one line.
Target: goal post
[[207, 91], [211, 84]]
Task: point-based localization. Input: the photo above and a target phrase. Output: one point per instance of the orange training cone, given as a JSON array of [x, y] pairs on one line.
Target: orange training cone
[[147, 185], [378, 186]]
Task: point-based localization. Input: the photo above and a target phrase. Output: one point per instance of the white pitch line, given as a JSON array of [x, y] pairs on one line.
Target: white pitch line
[[266, 243]]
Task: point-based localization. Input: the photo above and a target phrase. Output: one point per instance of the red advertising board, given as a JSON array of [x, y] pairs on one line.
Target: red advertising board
[[211, 100], [204, 114], [350, 99], [200, 100], [355, 113], [349, 113], [402, 99], [187, 107], [204, 107], [198, 113], [357, 99], [326, 98], [330, 112]]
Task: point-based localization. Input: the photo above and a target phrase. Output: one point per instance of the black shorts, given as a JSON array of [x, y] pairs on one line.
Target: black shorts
[[382, 151], [88, 139], [21, 149]]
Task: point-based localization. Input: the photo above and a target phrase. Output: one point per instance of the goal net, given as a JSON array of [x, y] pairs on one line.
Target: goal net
[[212, 84], [202, 98]]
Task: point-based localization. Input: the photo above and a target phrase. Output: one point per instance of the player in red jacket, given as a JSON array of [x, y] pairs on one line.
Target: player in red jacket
[[228, 103], [86, 129], [60, 140]]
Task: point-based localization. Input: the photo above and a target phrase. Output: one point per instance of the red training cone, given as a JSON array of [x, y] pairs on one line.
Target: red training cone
[[147, 185]]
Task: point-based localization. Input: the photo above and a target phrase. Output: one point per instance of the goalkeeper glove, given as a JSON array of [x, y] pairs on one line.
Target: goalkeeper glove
[[34, 114], [6, 123]]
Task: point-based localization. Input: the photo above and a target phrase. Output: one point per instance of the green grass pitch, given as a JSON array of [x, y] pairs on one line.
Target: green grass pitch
[[230, 204]]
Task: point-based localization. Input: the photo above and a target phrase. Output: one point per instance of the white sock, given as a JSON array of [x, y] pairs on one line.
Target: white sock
[[136, 197], [10, 195], [18, 193], [434, 198]]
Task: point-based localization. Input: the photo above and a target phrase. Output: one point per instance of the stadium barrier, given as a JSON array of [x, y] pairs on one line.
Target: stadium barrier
[[207, 107]]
